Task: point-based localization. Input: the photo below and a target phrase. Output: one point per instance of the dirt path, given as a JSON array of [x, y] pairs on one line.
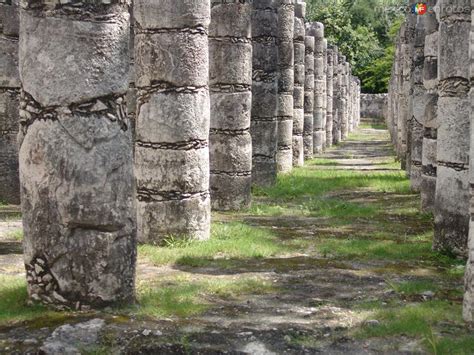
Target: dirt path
[[315, 300]]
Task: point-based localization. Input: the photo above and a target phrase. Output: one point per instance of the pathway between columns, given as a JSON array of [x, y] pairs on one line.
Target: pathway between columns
[[336, 259]]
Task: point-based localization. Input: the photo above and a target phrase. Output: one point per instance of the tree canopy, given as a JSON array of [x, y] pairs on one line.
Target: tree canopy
[[364, 30]]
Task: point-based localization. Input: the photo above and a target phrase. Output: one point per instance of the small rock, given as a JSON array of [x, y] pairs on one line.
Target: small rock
[[158, 333], [99, 106], [30, 341], [59, 298], [427, 295], [146, 332], [38, 269], [372, 322]]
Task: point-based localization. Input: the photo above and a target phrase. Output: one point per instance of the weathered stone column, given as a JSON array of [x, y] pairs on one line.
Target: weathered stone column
[[316, 29], [76, 159], [418, 105], [343, 100], [298, 93], [286, 27], [309, 98], [468, 309], [452, 186], [9, 102], [263, 127], [230, 79], [430, 114], [336, 113], [348, 98], [132, 90], [324, 92], [173, 115], [330, 90]]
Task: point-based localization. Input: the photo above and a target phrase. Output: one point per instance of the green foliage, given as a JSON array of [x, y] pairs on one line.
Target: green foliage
[[363, 30]]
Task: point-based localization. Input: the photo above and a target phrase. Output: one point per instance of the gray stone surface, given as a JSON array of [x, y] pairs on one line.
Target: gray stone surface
[[230, 51], [76, 154], [9, 103], [453, 140], [336, 113], [286, 27], [374, 105], [468, 309], [173, 117], [309, 98], [263, 128], [316, 29], [430, 115], [299, 89], [330, 94]]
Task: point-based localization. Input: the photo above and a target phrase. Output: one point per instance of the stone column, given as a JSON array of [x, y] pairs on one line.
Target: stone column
[[430, 114], [336, 113], [343, 99], [309, 98], [286, 24], [330, 89], [348, 98], [324, 92], [317, 30], [298, 93], [452, 186], [418, 105], [9, 102], [230, 79], [468, 309], [263, 127], [173, 115], [76, 163]]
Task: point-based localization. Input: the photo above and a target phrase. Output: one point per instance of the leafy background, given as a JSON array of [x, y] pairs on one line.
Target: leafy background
[[365, 32]]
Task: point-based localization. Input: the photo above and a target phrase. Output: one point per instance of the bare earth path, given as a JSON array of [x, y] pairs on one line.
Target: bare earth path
[[352, 261]]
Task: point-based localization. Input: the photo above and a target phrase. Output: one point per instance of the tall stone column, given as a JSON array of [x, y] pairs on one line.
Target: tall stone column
[[173, 115], [452, 186], [263, 127], [316, 29], [468, 309], [418, 105], [343, 100], [309, 98], [336, 113], [324, 92], [298, 92], [230, 79], [430, 114], [330, 90], [286, 27], [76, 158], [9, 102], [348, 98]]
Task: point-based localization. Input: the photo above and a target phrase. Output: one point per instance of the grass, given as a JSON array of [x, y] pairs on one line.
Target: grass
[[14, 308], [233, 240], [184, 297], [15, 235]]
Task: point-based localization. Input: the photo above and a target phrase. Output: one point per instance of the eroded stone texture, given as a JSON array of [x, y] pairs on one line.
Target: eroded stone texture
[[329, 98], [324, 92], [452, 186], [430, 115], [286, 20], [9, 102], [173, 117], [309, 98], [230, 74], [373, 105], [417, 103], [336, 112], [298, 92], [344, 119], [76, 153], [347, 128], [468, 306], [264, 92], [316, 29]]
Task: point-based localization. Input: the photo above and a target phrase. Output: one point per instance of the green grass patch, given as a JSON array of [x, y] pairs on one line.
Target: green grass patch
[[228, 241], [15, 235], [14, 308], [413, 287], [437, 323], [372, 126], [182, 297]]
